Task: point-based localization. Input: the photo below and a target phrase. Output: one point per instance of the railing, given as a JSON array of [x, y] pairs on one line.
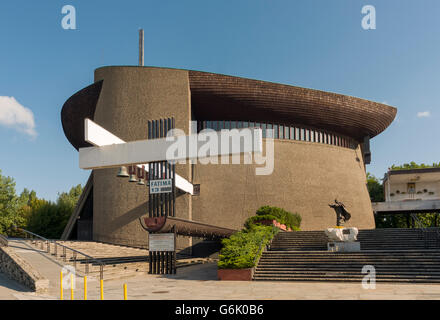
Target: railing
[[425, 231], [74, 253], [259, 249], [3, 241]]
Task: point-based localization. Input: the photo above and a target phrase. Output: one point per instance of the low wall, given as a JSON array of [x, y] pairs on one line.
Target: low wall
[[19, 270]]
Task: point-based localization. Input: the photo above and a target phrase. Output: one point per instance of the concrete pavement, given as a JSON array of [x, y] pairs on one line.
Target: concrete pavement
[[199, 282]]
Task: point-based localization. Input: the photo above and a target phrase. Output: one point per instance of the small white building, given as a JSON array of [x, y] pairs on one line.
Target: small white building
[[412, 184]]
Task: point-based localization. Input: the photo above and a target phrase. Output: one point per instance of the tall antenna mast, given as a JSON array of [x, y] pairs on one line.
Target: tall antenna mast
[[141, 47]]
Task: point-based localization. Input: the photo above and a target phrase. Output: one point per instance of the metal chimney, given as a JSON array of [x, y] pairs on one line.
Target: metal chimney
[[141, 47]]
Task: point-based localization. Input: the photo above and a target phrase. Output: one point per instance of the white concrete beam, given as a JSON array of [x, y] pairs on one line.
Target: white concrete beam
[[99, 137], [179, 148]]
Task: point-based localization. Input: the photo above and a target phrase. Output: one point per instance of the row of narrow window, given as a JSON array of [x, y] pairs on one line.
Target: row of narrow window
[[282, 132]]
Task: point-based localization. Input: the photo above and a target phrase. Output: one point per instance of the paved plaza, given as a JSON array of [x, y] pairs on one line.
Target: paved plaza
[[199, 282]]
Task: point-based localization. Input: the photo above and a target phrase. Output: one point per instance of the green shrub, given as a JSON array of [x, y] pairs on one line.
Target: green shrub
[[257, 219], [243, 248], [292, 220]]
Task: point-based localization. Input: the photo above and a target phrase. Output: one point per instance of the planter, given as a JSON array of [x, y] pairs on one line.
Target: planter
[[235, 274], [276, 224]]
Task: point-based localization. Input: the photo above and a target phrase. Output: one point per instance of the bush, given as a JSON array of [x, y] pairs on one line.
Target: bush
[[243, 248], [257, 219], [291, 220]]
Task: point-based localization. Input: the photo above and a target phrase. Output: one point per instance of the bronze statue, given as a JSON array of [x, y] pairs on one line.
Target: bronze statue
[[342, 215]]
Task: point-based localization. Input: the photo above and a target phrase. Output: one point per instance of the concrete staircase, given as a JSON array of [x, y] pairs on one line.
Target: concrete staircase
[[398, 255], [119, 261], [398, 239], [300, 241]]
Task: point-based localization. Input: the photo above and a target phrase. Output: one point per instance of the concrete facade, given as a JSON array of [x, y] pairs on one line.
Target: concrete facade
[[306, 178], [307, 175], [130, 97]]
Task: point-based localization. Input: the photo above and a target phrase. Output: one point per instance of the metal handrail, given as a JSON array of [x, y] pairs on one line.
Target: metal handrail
[[424, 229], [3, 241], [65, 248], [259, 250], [418, 222]]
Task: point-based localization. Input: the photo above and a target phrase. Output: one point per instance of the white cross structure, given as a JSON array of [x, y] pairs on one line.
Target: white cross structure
[[110, 151]]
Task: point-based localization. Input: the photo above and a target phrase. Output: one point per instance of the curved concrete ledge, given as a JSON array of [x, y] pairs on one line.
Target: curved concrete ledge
[[19, 270]]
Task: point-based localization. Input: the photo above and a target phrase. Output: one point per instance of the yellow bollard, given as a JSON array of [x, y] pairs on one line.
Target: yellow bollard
[[71, 287], [125, 291], [85, 288], [61, 285], [102, 289]]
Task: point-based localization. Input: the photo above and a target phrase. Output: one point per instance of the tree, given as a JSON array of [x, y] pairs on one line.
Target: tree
[[375, 188], [8, 205], [26, 197], [48, 218], [70, 198]]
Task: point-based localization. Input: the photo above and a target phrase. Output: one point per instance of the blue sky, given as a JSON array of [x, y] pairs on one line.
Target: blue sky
[[316, 44]]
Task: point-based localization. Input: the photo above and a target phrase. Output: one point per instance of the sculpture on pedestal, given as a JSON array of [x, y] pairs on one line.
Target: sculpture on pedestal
[[342, 215], [342, 239]]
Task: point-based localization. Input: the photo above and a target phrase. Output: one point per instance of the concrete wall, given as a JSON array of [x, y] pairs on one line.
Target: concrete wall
[[430, 186], [130, 97], [19, 270], [306, 178]]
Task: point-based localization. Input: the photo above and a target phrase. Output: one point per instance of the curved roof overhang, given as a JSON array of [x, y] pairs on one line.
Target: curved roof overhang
[[78, 107], [222, 97]]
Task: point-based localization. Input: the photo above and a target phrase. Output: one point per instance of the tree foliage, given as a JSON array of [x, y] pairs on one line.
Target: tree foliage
[[49, 219], [406, 221], [375, 188], [40, 216], [413, 165], [8, 204]]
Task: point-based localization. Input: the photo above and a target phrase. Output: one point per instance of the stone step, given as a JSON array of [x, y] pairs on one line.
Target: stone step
[[347, 279], [359, 253], [371, 253], [399, 255], [327, 264], [336, 273]]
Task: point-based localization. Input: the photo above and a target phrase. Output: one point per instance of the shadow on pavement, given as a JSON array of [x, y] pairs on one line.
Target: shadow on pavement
[[202, 272], [5, 282]]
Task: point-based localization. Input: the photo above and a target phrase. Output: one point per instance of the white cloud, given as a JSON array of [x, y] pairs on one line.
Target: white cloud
[[14, 115], [424, 114]]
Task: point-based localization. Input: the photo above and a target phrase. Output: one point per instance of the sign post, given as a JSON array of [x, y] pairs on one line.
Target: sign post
[[162, 202]]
